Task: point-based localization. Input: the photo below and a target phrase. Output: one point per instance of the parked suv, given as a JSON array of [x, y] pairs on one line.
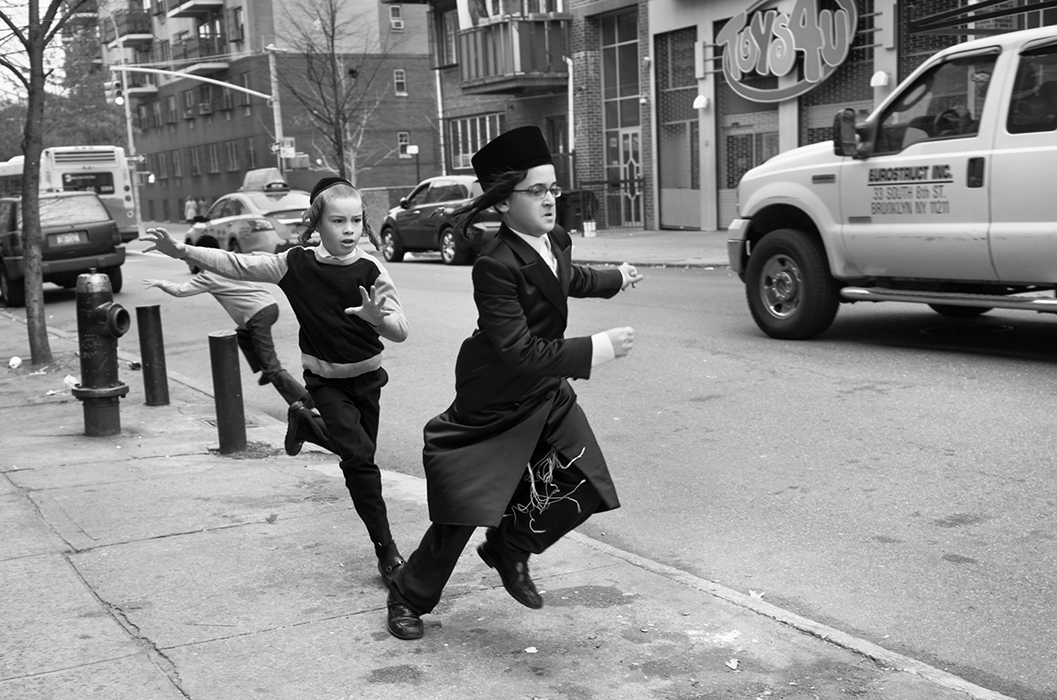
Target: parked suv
[[942, 196], [77, 234]]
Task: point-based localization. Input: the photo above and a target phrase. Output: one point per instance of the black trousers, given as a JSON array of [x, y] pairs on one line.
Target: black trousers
[[350, 410], [420, 582]]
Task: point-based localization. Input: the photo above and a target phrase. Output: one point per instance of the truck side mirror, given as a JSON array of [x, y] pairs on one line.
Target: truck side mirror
[[844, 133]]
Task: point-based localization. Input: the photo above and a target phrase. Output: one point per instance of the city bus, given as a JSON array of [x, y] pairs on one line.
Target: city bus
[[100, 169]]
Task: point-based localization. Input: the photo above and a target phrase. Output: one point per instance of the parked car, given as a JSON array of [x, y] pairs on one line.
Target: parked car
[[263, 218], [77, 235], [422, 221]]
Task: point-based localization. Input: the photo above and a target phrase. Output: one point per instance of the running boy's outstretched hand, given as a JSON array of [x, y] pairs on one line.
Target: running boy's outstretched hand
[[160, 240], [372, 310], [630, 274]]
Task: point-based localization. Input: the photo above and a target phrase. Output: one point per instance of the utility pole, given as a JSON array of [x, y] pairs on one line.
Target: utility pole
[[277, 114]]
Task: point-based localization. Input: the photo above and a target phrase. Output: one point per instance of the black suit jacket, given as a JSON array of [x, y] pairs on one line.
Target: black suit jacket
[[511, 383]]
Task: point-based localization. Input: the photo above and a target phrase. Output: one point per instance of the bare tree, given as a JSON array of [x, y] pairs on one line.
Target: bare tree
[[334, 74], [22, 51]]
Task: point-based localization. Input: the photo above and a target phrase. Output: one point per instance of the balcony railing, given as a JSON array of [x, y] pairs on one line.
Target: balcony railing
[[130, 23], [515, 55], [202, 48]]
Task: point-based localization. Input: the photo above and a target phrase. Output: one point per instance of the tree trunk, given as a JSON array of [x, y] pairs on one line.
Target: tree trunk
[[32, 145]]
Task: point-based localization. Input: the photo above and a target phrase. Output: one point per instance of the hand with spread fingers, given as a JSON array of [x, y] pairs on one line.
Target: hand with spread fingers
[[162, 241], [372, 309]]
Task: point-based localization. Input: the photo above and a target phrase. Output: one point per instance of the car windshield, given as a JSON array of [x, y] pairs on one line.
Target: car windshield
[[475, 189], [288, 203], [67, 211]]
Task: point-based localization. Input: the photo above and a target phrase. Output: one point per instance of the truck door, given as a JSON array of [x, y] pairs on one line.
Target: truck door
[[912, 208], [1023, 172]]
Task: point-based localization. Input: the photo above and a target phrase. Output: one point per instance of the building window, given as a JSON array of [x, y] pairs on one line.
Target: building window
[[403, 140], [396, 18], [162, 166], [251, 155], [235, 31], [468, 135], [447, 28], [189, 104], [400, 81], [214, 158], [232, 149], [177, 168], [195, 161]]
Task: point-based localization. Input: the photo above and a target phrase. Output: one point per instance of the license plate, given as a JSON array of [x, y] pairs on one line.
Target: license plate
[[60, 239]]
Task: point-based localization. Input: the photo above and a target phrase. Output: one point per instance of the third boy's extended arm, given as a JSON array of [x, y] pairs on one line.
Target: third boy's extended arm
[[239, 266]]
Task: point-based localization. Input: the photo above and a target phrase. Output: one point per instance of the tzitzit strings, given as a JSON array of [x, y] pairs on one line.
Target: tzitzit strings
[[542, 491]]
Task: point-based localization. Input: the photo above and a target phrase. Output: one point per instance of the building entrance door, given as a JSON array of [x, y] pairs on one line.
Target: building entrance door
[[623, 185]]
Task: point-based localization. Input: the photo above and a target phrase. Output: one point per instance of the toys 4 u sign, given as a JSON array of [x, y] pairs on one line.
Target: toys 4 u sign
[[769, 42]]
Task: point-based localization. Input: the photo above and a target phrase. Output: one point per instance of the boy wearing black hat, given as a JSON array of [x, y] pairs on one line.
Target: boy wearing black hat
[[341, 345], [514, 452]]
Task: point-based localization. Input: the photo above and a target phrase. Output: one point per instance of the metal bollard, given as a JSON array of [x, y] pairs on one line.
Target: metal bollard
[[227, 391], [152, 352], [100, 322]]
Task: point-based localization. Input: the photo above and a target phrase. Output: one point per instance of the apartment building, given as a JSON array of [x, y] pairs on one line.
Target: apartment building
[[198, 138]]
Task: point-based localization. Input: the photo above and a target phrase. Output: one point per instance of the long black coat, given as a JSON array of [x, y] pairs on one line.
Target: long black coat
[[511, 384]]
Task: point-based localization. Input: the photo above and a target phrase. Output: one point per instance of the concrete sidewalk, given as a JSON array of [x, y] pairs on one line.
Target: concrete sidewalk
[[148, 566]]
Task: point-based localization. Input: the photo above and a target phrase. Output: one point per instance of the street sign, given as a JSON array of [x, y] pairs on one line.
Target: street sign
[[287, 152]]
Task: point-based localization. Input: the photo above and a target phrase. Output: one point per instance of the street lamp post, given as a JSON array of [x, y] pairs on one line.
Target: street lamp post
[[413, 150]]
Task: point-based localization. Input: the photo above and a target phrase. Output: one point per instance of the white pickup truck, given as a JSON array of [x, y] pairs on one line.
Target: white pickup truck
[[945, 195]]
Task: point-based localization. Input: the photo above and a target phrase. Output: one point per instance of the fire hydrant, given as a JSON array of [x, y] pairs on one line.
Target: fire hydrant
[[100, 322]]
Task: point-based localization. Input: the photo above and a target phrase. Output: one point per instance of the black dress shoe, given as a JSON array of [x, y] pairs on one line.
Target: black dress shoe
[[515, 575], [388, 565], [402, 621], [292, 443]]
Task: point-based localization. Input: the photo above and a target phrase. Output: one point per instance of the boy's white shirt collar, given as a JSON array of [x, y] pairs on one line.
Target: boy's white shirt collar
[[323, 254]]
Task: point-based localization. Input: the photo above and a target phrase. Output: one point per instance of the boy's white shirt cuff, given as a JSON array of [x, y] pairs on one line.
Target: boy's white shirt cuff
[[601, 349]]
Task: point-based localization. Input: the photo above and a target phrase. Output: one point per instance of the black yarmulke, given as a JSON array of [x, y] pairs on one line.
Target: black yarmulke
[[517, 149], [324, 184]]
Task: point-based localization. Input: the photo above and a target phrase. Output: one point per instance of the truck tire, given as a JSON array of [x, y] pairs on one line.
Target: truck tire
[[791, 294], [952, 311]]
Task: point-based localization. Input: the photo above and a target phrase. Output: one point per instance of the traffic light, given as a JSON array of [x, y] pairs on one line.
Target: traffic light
[[115, 93]]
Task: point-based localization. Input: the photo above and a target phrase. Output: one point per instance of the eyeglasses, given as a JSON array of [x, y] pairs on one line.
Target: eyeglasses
[[539, 191]]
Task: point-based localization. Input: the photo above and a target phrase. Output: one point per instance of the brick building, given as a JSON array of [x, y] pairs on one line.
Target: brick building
[[199, 138]]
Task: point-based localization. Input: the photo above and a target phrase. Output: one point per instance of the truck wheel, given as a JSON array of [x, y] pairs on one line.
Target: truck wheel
[[13, 292], [791, 294], [392, 248], [959, 311]]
